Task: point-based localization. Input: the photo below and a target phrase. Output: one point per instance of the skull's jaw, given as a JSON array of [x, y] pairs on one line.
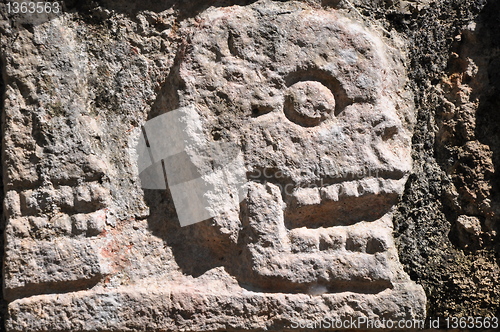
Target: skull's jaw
[[356, 256], [327, 260], [343, 203]]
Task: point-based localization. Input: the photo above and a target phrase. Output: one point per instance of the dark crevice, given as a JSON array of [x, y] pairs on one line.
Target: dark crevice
[[346, 211]]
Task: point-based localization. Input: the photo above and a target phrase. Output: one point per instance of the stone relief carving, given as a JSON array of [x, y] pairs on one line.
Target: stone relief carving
[[316, 104], [309, 104]]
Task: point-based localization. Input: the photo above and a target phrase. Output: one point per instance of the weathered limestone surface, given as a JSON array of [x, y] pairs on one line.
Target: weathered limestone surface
[[316, 102]]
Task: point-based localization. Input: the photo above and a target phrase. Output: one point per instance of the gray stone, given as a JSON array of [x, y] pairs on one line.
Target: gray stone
[[37, 267], [293, 101], [313, 102]]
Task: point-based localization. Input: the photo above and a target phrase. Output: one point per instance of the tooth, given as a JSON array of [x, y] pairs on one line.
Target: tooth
[[330, 193], [349, 189], [369, 186], [306, 196], [304, 240], [392, 186], [330, 239]]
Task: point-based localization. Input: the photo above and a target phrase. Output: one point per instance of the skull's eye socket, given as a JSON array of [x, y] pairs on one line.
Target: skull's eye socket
[[308, 103]]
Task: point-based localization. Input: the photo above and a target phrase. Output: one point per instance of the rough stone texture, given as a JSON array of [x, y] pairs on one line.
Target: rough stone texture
[[88, 250], [459, 270], [242, 65]]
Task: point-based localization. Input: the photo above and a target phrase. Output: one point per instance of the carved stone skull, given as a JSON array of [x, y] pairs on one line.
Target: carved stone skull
[[316, 104]]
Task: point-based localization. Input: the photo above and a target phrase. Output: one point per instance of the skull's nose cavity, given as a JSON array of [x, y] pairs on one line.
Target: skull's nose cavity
[[308, 103]]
